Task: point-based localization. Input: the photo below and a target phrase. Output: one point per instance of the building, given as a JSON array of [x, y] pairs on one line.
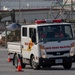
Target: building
[[30, 10]]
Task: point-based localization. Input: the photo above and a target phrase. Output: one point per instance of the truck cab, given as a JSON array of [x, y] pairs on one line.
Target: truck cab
[[46, 44]]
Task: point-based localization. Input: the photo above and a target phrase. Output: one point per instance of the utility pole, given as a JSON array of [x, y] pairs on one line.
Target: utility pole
[[13, 15], [19, 11], [71, 10]]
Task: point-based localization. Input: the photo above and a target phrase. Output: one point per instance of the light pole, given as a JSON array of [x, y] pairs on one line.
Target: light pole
[[6, 23]]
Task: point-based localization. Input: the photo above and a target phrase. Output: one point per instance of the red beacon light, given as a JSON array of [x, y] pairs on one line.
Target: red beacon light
[[57, 20], [40, 21], [53, 21]]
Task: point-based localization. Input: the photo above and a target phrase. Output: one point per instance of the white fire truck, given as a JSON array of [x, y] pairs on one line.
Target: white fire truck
[[40, 47]]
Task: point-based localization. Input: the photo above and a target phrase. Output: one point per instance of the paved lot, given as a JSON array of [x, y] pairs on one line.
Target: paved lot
[[7, 68]]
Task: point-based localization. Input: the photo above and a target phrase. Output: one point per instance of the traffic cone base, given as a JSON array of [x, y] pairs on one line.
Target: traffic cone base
[[9, 60]]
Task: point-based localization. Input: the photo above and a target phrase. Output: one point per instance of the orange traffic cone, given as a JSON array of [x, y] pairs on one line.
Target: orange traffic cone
[[19, 68], [9, 60]]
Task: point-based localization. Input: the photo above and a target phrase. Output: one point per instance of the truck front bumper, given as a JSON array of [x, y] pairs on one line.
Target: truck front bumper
[[55, 61]]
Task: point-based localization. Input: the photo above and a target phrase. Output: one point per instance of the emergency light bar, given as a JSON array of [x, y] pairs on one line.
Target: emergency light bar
[[48, 21]]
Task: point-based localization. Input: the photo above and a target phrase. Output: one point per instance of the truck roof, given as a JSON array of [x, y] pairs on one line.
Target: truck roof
[[44, 24]]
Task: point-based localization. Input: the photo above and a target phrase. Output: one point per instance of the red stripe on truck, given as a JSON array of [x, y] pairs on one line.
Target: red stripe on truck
[[57, 47]]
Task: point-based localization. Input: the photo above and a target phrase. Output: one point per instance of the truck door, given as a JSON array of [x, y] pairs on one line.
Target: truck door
[[24, 41], [28, 39], [32, 34], [33, 37]]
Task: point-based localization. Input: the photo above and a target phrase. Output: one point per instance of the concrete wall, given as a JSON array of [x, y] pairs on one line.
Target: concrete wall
[[30, 16]]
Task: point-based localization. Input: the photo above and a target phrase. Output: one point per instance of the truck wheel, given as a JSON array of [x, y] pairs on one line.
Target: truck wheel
[[15, 60], [67, 65], [34, 65]]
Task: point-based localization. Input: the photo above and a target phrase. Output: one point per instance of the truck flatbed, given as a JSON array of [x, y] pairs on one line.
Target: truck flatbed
[[14, 47]]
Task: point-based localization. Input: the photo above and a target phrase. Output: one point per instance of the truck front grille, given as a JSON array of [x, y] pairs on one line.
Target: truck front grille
[[58, 52]]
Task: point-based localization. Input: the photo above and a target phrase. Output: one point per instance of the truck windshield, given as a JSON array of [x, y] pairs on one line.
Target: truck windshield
[[55, 33]]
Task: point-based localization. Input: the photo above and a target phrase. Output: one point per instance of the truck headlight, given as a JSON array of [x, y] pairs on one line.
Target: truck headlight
[[43, 52], [72, 51]]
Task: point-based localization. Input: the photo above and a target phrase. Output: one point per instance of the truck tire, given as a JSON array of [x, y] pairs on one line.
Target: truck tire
[[67, 65], [15, 61], [34, 65]]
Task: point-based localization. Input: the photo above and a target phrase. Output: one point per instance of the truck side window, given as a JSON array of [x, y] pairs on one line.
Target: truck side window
[[24, 31], [32, 34]]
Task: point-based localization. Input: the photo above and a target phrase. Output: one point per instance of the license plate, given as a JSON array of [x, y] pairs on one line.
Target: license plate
[[58, 61]]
